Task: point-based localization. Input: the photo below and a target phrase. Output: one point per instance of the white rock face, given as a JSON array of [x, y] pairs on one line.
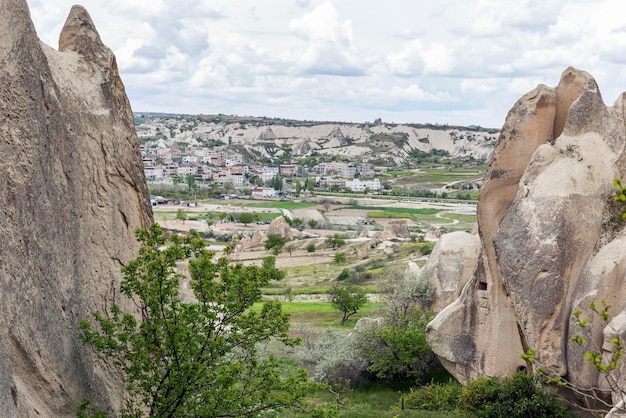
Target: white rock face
[[451, 265], [73, 192], [549, 242]]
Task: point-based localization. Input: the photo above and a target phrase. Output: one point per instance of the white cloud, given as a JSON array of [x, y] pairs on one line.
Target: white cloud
[[341, 59], [329, 50]]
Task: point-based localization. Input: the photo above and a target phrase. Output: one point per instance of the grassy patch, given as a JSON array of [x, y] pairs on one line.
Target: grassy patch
[[375, 400], [389, 215], [319, 316], [283, 204], [412, 211]]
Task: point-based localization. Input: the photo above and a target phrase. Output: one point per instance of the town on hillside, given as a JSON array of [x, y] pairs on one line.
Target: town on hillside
[[269, 158]]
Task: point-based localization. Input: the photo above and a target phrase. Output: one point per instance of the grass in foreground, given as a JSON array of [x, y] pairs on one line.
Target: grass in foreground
[[374, 400]]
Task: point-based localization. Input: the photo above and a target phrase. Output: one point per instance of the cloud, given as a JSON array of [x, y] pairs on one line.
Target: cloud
[[329, 50], [150, 52], [416, 58]]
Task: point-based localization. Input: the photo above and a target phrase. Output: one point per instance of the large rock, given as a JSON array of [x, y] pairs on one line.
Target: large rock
[[396, 229], [279, 226], [451, 265], [73, 192], [548, 245]]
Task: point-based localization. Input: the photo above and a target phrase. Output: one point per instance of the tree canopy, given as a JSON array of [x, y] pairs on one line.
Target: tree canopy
[[195, 354], [335, 241], [348, 300]]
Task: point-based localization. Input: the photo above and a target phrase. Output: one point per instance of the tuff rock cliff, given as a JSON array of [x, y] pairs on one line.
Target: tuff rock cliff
[[550, 240], [72, 192]]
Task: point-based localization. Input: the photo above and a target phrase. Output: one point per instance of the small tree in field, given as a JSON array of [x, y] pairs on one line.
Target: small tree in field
[[335, 241], [198, 357], [275, 243], [246, 217], [339, 258], [348, 300], [181, 215]]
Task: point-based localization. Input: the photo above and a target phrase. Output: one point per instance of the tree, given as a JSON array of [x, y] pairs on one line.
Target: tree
[[191, 181], [181, 215], [277, 182], [347, 299], [339, 258], [275, 242], [397, 349], [298, 224], [335, 241], [195, 356], [291, 248], [246, 217]]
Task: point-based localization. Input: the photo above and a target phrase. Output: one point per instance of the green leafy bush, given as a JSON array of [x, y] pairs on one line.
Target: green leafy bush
[[434, 397], [520, 396]]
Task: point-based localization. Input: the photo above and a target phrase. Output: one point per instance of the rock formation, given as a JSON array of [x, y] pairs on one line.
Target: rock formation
[[396, 229], [73, 192], [548, 240], [451, 265], [280, 227]]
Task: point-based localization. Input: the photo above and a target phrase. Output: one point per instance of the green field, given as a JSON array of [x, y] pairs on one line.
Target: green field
[[412, 211], [321, 315], [283, 204], [373, 400]]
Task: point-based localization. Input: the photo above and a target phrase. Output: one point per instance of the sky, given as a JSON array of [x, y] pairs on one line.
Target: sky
[[455, 62]]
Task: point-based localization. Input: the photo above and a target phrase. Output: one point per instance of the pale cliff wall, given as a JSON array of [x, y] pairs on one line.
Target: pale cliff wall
[[72, 191], [546, 245]]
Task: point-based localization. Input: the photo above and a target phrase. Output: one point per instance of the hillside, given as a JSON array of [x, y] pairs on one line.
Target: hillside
[[267, 139]]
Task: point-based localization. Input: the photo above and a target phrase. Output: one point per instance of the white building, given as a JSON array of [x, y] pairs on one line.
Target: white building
[[359, 186], [264, 192], [186, 170], [154, 174]]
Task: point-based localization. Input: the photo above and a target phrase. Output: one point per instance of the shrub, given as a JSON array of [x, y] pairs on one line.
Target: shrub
[[434, 397], [397, 349], [339, 258], [334, 360], [275, 242], [519, 396], [310, 248], [344, 275]]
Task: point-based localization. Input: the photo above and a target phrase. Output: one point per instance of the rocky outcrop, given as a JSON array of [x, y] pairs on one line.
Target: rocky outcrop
[[279, 226], [451, 265], [398, 229], [267, 135], [337, 138], [548, 244], [73, 192]]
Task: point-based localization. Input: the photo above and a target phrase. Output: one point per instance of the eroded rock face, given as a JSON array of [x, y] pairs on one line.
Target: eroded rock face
[[395, 230], [545, 245], [72, 194], [279, 226], [451, 265]]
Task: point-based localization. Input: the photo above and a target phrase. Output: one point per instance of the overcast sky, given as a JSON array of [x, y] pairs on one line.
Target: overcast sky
[[459, 62]]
